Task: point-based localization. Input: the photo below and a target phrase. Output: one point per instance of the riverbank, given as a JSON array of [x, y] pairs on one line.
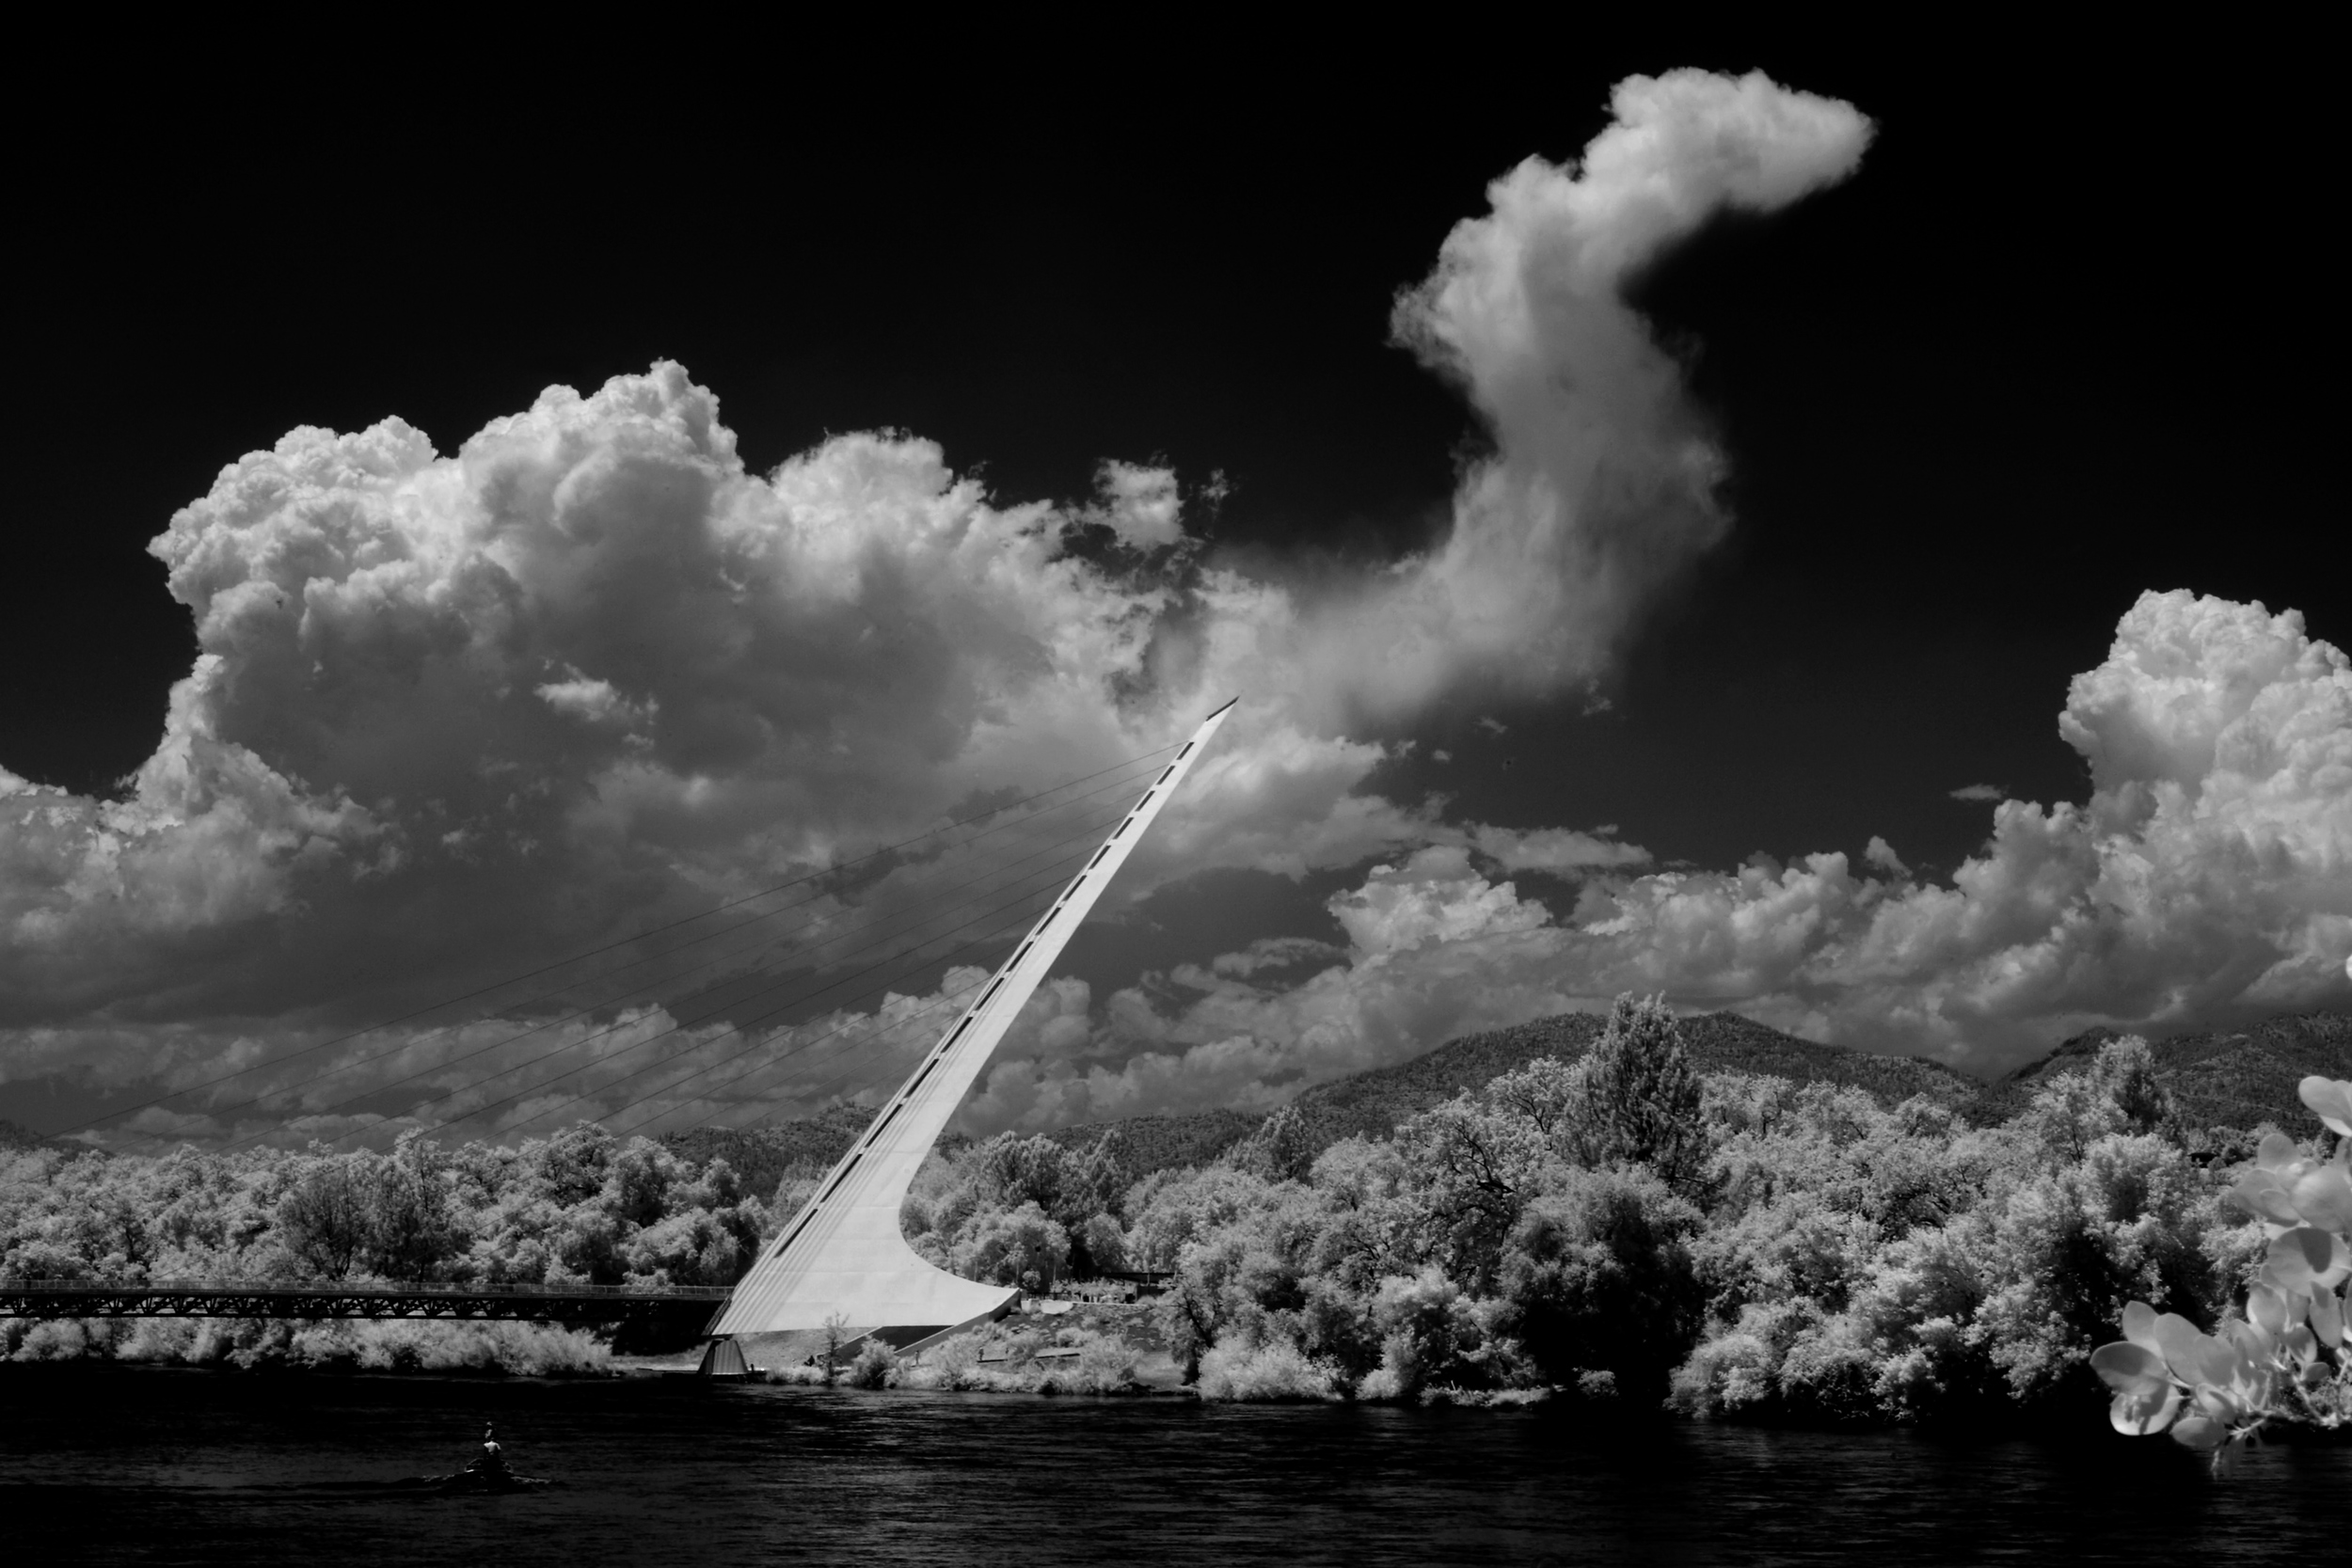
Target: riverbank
[[1047, 1348], [1055, 1348], [336, 1345]]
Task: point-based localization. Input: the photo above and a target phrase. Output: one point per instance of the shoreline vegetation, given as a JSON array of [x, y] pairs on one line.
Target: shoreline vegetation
[[1643, 1212]]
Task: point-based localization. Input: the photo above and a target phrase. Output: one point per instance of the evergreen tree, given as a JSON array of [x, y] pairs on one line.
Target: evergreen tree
[[1281, 1149], [2126, 1069], [1639, 1102]]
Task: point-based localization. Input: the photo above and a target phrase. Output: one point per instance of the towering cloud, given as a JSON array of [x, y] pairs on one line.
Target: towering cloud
[[453, 714], [457, 712], [587, 668], [1602, 486]]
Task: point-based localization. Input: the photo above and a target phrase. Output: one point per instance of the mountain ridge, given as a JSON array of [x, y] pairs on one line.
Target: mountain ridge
[[2239, 1078], [1371, 1103]]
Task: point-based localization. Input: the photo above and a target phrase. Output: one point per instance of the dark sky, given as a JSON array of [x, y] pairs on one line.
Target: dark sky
[[2066, 337]]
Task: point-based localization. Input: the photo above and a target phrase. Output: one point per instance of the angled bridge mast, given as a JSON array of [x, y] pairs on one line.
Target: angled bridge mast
[[843, 1256]]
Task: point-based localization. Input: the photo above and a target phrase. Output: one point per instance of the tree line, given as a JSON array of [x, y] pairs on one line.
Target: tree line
[[1620, 1227], [580, 1207], [1735, 1244]]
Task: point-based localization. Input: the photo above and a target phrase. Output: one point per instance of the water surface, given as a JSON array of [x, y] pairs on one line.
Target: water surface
[[152, 1465]]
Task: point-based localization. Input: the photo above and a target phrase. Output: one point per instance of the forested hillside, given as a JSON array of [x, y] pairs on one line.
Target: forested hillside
[[16, 1135], [1373, 1103], [2239, 1078], [1606, 1219], [1164, 1143], [763, 1157]]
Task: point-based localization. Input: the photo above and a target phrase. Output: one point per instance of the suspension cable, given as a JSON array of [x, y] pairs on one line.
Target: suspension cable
[[741, 1028], [999, 933], [398, 1047], [1084, 834], [607, 947]]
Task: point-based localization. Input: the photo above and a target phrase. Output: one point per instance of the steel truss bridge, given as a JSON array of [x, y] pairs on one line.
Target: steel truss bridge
[[676, 1307]]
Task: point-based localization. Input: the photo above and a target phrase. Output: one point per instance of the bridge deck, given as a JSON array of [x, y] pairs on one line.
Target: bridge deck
[[200, 1298]]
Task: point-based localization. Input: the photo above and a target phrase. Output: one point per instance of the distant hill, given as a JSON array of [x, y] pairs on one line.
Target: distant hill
[[1727, 1042], [1164, 1142], [16, 1135], [763, 1156], [2226, 1078], [1371, 1103]]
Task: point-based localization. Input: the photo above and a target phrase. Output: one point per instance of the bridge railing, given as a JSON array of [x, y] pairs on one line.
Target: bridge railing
[[403, 1288]]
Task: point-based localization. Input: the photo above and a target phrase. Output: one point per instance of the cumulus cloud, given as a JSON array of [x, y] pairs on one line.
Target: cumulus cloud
[[1603, 483], [1560, 850], [585, 672], [1880, 853], [455, 714], [644, 1068], [2162, 898], [1143, 506], [2210, 872], [2209, 877], [598, 702], [1436, 949], [1434, 897]]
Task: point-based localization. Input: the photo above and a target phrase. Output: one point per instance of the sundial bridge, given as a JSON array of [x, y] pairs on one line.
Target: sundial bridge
[[840, 1262]]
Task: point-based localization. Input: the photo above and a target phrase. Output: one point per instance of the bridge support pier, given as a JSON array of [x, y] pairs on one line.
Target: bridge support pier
[[724, 1358]]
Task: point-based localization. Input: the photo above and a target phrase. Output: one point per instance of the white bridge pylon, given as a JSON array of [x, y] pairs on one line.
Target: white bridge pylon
[[843, 1258]]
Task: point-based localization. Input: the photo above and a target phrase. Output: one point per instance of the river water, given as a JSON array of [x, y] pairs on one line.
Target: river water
[[104, 1463]]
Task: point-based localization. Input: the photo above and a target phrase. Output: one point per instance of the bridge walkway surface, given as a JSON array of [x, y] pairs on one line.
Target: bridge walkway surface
[[578, 1304]]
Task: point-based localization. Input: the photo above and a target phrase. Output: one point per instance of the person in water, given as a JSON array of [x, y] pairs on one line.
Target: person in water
[[493, 1460]]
